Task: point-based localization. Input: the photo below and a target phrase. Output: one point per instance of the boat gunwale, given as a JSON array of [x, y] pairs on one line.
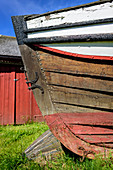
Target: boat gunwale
[[67, 25], [76, 55], [33, 16]]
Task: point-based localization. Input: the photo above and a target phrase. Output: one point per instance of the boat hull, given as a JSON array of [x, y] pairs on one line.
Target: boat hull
[[77, 99], [69, 63], [86, 134]]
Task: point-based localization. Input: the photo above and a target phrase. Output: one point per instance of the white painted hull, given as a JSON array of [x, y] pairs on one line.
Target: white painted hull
[[95, 29], [96, 13], [76, 15], [91, 48]]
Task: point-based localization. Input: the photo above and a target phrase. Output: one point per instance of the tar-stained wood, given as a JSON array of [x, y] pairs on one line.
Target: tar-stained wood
[[81, 97], [80, 82], [50, 38], [71, 65], [46, 145], [32, 65]]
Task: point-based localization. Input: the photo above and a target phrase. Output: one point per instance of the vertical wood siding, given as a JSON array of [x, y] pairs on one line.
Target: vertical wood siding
[[7, 94], [26, 106], [17, 103]]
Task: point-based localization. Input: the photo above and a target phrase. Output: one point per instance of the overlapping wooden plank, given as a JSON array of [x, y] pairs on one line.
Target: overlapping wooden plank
[[89, 130], [101, 119], [97, 138], [87, 12], [72, 142], [107, 145], [84, 30], [79, 82], [65, 108], [81, 97], [70, 65]]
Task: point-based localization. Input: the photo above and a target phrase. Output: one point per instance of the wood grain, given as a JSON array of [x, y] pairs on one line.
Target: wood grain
[[81, 97], [66, 108], [79, 82], [70, 65], [46, 145], [89, 130], [92, 119], [32, 65]]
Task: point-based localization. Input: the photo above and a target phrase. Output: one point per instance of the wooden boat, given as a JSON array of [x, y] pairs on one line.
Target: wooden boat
[[68, 56]]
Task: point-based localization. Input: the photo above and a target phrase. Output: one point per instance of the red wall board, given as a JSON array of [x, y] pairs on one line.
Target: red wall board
[[17, 103], [26, 106], [7, 95]]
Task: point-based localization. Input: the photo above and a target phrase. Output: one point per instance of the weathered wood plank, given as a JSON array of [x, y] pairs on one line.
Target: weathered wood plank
[[89, 130], [32, 65], [65, 108], [85, 30], [97, 138], [72, 142], [70, 65], [107, 145], [46, 145], [98, 118], [79, 82], [87, 12], [81, 97]]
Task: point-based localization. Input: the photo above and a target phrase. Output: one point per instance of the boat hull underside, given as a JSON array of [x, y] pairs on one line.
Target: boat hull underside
[[80, 86], [75, 89], [85, 134]]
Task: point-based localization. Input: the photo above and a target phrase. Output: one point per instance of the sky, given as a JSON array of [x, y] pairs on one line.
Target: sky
[[10, 8]]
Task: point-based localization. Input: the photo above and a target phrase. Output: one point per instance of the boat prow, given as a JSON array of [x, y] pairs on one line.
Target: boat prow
[[68, 57]]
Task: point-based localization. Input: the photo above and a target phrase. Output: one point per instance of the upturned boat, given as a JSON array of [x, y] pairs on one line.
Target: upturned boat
[[68, 58]]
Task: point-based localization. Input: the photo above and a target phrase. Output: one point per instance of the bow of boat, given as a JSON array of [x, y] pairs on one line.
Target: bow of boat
[[68, 58]]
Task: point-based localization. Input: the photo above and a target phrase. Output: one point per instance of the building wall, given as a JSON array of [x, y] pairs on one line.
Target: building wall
[[17, 103]]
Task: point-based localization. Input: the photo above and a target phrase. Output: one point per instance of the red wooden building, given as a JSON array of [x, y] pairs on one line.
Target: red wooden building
[[17, 103]]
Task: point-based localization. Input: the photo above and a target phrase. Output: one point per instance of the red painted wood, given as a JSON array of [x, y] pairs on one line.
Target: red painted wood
[[7, 97], [97, 138], [74, 54], [107, 145], [85, 130], [104, 118], [26, 106], [21, 104], [64, 134]]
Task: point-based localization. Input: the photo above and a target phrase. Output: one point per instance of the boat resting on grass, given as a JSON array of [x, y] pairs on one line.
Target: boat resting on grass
[[68, 57]]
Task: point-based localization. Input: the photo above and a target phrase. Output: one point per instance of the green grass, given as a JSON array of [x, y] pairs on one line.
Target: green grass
[[15, 139]]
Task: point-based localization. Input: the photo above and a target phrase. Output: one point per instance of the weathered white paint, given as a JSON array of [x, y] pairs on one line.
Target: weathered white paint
[[94, 12], [93, 29], [89, 48]]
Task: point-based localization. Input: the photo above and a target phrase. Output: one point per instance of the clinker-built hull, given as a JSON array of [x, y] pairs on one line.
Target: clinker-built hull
[[68, 57]]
